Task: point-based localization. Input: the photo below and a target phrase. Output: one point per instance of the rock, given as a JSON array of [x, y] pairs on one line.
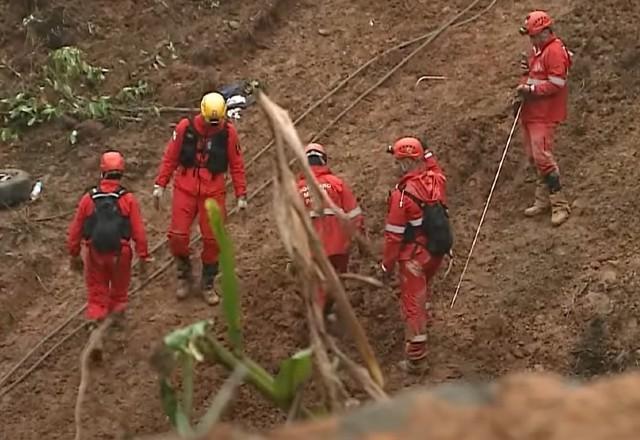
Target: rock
[[608, 276], [323, 32], [599, 302], [234, 24]]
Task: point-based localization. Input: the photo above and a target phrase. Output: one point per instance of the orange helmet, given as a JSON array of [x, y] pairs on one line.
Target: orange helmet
[[407, 147], [536, 22], [112, 161]]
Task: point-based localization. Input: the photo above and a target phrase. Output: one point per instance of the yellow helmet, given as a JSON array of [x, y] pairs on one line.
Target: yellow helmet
[[213, 108]]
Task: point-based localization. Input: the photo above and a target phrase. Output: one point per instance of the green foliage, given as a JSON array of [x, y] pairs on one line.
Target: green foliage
[[230, 294], [134, 93], [293, 373], [68, 87], [24, 110], [67, 66], [187, 346]]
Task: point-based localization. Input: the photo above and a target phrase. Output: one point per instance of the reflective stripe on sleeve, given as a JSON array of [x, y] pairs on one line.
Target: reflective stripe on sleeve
[[394, 229]]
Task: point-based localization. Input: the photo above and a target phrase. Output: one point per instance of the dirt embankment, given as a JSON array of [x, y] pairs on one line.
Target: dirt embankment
[[535, 298]]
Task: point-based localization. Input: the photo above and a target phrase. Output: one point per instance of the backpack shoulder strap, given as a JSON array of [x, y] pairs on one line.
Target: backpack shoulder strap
[[121, 190], [415, 198], [191, 128], [93, 191]]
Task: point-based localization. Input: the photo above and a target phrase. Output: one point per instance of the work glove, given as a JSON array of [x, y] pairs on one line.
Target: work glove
[[75, 263], [242, 203], [524, 90], [158, 191]]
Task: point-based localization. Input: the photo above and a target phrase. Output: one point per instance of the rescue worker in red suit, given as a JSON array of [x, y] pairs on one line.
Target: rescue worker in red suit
[[201, 151], [333, 234], [421, 177], [544, 92], [107, 270]]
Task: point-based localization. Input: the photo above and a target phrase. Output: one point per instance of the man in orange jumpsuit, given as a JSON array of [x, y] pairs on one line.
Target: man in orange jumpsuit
[[544, 93], [406, 242], [332, 233], [107, 218], [200, 152]]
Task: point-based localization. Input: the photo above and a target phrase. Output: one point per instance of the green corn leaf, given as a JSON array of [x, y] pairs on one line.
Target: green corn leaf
[[179, 340], [230, 293], [187, 385], [294, 372], [169, 400]]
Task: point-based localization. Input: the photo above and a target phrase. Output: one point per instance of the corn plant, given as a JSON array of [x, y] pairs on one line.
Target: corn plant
[[184, 348]]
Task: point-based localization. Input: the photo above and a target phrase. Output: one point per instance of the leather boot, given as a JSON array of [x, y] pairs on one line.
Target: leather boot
[[118, 320], [416, 367], [541, 203], [96, 353], [183, 281], [209, 272], [560, 209]]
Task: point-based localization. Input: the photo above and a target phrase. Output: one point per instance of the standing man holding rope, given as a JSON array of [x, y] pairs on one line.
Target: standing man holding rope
[[543, 94], [416, 236], [200, 152]]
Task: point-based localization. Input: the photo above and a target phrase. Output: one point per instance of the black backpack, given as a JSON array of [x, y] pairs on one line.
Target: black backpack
[[435, 225], [106, 227]]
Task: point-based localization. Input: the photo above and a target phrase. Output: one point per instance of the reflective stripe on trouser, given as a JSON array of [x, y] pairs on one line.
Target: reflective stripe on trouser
[[538, 139], [415, 275], [107, 277], [184, 209], [340, 263]]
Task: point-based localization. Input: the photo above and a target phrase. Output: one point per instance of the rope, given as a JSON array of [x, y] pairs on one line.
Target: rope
[[360, 69], [429, 37], [486, 205]]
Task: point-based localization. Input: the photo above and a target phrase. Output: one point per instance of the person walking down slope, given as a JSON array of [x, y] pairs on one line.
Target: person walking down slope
[[417, 235], [202, 149], [544, 93], [334, 236], [107, 218]]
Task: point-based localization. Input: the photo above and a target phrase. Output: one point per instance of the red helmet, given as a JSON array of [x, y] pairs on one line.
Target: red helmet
[[407, 147], [112, 161], [536, 22]]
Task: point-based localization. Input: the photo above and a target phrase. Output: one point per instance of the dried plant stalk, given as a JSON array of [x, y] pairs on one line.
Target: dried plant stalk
[[300, 239]]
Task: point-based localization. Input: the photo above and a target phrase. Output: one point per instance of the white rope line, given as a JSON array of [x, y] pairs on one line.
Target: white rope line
[[486, 205]]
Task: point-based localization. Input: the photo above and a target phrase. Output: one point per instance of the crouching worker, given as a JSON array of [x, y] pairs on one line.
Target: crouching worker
[[333, 235], [107, 218], [417, 236]]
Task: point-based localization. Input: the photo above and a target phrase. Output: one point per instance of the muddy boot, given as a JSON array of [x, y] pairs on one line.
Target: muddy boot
[[118, 320], [96, 353], [183, 266], [416, 367], [209, 272], [541, 203], [560, 209]]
